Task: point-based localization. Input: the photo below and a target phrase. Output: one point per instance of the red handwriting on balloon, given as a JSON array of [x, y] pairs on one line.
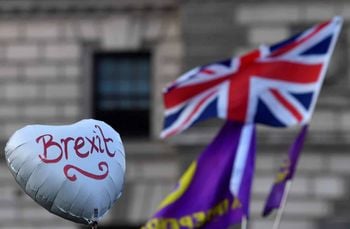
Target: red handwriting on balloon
[[56, 150], [73, 177]]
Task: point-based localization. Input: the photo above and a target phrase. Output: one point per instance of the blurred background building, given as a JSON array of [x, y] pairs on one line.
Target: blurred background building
[[62, 61]]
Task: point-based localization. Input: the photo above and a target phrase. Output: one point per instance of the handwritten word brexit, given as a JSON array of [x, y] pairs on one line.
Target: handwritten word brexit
[[56, 150]]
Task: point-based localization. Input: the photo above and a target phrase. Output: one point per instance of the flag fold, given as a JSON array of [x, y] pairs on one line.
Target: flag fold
[[203, 198], [285, 174]]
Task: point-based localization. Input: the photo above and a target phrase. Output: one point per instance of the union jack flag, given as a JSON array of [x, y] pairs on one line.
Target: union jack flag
[[275, 85]]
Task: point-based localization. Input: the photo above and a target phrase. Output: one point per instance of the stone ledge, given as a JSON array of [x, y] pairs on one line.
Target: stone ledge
[[298, 208], [286, 224], [148, 148], [267, 140], [16, 7]]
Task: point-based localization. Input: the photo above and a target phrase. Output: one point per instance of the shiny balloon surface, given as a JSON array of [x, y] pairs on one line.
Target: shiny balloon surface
[[74, 171]]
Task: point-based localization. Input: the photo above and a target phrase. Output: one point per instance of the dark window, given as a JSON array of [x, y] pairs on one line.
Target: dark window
[[122, 91]]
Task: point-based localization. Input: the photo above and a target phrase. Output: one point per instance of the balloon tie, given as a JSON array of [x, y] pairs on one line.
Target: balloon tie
[[94, 225]]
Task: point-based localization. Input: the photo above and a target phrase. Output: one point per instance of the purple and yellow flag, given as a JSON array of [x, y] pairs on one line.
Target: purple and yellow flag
[[203, 198], [285, 174]]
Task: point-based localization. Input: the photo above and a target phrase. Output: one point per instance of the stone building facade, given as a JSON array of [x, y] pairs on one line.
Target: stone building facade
[[50, 53]]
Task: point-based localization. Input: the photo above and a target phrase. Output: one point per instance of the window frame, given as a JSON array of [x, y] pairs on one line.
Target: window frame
[[97, 56]]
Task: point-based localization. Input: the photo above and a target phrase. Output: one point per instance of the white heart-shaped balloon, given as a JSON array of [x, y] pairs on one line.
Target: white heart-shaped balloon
[[74, 171]]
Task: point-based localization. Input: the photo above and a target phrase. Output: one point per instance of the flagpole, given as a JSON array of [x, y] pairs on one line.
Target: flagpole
[[244, 224], [280, 211]]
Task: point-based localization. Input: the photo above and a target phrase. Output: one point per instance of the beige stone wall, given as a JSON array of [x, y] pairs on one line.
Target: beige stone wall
[[45, 77], [42, 72]]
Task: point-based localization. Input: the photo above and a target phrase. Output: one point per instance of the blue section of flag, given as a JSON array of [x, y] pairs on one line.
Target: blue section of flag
[[320, 48], [226, 63], [283, 43], [169, 119], [304, 98], [209, 111], [264, 115]]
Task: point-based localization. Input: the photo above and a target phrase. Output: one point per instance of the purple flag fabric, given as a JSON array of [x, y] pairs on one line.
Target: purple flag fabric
[[202, 197], [286, 173]]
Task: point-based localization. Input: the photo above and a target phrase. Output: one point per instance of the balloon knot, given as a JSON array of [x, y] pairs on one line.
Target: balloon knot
[[93, 225]]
